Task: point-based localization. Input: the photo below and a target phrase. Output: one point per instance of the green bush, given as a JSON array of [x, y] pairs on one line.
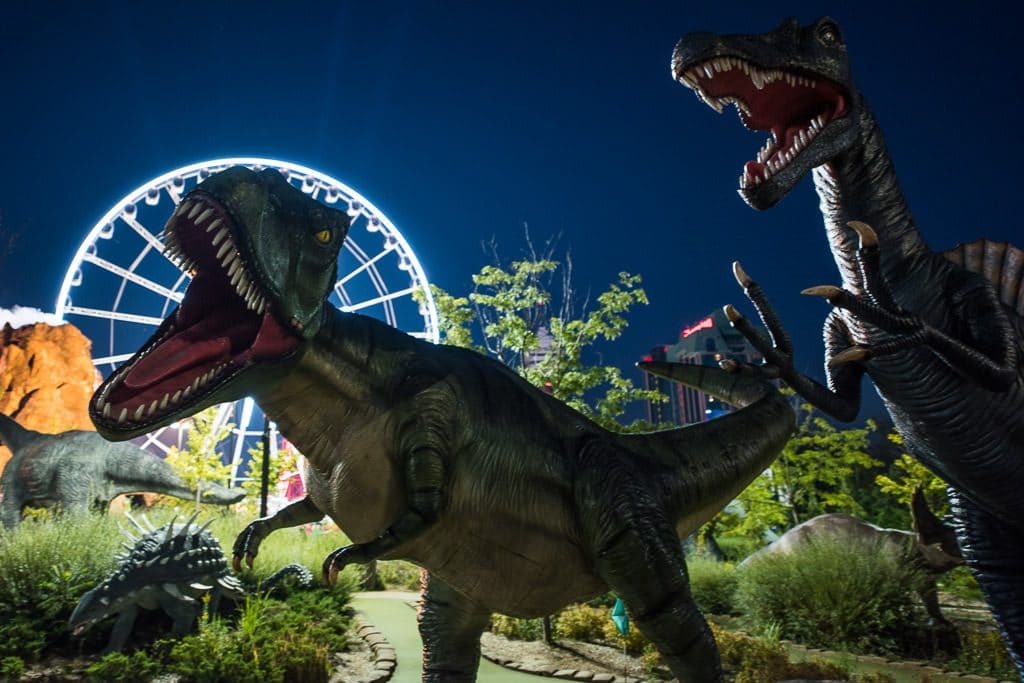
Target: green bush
[[517, 629], [46, 564], [759, 660], [117, 666], [737, 548], [399, 575], [713, 585], [855, 596], [960, 583], [582, 622], [983, 652], [11, 668]]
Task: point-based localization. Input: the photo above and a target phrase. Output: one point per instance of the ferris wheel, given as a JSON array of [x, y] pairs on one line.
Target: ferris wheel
[[120, 285]]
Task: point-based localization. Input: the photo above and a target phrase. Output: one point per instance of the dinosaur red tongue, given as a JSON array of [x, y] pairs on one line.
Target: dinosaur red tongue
[[183, 351]]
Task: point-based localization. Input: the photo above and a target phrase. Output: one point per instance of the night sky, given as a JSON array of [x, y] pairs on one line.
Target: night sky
[[463, 121]]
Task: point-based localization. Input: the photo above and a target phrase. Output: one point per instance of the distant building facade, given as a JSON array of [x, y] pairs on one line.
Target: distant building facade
[[705, 342]]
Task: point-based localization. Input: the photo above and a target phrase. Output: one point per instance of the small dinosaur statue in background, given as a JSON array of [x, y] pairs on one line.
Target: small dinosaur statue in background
[[78, 470], [941, 335], [171, 568], [512, 501], [930, 548]]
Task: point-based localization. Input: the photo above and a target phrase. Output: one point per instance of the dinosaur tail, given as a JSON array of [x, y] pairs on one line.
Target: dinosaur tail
[[13, 435], [133, 470], [724, 455], [303, 577]]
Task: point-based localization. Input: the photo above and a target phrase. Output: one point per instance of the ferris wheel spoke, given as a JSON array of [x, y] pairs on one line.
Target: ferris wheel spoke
[[118, 358], [134, 277], [114, 315], [390, 296], [366, 264], [143, 232]]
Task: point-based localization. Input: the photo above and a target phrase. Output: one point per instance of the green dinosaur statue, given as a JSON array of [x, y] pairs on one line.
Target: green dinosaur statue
[[512, 501], [78, 470]]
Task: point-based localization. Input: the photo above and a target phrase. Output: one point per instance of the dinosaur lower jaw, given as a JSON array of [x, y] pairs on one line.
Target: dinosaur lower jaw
[[224, 325], [805, 115]]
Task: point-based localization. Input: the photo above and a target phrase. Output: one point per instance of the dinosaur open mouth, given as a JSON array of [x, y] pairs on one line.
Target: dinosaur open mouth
[[795, 107], [224, 324]]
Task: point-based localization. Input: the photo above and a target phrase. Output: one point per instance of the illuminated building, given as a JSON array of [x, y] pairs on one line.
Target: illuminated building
[[705, 342]]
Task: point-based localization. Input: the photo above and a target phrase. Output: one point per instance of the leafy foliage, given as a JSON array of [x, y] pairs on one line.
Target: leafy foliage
[[859, 596], [512, 310], [199, 463], [813, 475], [908, 474], [713, 585]]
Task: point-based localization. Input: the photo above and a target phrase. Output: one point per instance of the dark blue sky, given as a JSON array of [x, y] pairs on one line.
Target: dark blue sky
[[464, 120]]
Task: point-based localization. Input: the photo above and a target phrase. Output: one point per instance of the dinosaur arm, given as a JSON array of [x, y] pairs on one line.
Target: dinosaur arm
[[424, 480], [989, 357], [247, 544], [841, 398]]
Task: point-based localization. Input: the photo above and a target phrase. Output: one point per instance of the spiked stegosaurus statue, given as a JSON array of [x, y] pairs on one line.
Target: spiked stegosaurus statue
[[171, 568]]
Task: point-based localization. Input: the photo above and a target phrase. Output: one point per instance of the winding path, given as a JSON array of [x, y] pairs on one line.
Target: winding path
[[389, 611]]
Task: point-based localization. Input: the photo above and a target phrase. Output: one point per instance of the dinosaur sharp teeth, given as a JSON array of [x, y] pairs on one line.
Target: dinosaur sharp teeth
[[123, 416], [213, 226], [152, 408], [195, 209], [221, 234], [224, 248], [138, 412], [106, 410], [183, 207], [163, 403], [176, 397]]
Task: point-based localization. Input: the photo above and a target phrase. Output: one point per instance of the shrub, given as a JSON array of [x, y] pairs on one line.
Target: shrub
[[759, 660], [118, 666], [11, 668], [836, 595], [633, 642], [399, 575], [737, 548], [582, 622], [960, 582], [983, 652], [517, 629], [713, 585], [46, 564]]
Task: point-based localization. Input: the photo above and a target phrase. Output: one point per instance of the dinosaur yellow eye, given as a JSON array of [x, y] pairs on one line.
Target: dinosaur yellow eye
[[323, 237]]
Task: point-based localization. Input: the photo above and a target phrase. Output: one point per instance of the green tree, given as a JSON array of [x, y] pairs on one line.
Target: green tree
[[813, 475], [908, 474], [199, 463], [282, 461], [510, 308]]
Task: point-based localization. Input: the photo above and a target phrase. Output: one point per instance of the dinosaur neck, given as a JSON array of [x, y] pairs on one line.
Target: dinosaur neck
[[860, 184], [130, 470]]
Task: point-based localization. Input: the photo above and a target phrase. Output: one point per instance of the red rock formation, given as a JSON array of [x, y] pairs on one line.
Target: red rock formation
[[46, 378]]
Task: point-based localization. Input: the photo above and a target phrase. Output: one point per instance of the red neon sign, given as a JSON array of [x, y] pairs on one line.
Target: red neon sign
[[705, 324]]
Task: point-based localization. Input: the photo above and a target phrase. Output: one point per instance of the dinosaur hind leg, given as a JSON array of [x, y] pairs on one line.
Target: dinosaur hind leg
[[640, 557], [995, 553], [450, 626]]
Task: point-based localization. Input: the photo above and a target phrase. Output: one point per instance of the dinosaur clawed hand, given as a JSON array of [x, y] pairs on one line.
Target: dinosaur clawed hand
[[875, 307], [247, 544], [776, 348], [339, 559]]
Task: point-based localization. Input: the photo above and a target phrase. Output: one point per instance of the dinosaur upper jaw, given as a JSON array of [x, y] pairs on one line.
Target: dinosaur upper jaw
[[808, 116], [225, 324]]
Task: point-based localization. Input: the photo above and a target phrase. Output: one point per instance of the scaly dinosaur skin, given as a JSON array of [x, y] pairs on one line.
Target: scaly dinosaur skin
[[171, 567], [511, 501], [940, 335], [78, 470]]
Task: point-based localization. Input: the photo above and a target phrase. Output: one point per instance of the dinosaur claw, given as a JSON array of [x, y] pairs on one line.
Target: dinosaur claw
[[828, 292], [854, 354], [741, 275], [868, 237], [236, 563], [731, 313]]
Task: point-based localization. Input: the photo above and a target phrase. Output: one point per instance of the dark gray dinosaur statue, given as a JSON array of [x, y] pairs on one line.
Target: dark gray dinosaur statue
[[939, 334], [170, 567], [512, 502], [79, 470], [931, 547]]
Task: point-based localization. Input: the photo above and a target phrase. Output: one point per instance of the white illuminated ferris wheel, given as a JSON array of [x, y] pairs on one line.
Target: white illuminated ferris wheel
[[120, 284]]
